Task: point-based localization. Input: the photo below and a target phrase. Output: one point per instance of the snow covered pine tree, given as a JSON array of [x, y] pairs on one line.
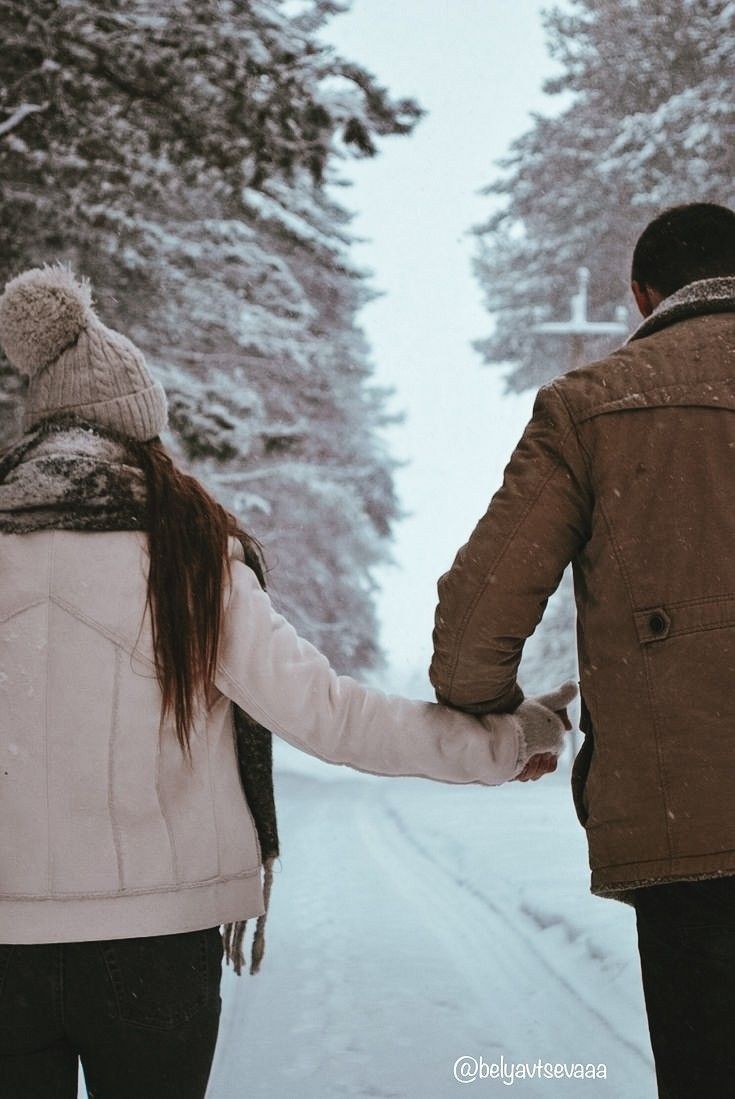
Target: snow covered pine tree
[[178, 155], [648, 121]]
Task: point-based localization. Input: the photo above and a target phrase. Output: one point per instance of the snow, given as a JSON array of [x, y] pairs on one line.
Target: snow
[[412, 924], [414, 205]]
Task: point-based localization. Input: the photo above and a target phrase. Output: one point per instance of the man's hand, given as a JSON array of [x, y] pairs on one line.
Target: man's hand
[[537, 767], [545, 763], [545, 719]]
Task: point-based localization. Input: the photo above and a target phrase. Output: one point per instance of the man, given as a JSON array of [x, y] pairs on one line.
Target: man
[[627, 470]]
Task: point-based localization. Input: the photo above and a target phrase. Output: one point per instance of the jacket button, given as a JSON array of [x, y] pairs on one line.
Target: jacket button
[[657, 623]]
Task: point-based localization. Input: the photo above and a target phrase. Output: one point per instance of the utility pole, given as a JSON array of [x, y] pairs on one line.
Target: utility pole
[[578, 328]]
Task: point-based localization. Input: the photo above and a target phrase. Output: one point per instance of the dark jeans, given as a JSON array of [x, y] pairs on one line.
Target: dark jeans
[[686, 940], [142, 1014]]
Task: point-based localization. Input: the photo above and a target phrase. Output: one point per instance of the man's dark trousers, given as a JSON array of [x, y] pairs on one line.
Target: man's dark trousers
[[686, 940]]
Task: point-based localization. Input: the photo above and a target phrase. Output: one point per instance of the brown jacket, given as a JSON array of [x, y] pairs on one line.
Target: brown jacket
[[627, 469]]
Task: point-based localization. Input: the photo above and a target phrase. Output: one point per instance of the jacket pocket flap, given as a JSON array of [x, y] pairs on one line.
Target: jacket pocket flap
[[690, 394], [658, 623]]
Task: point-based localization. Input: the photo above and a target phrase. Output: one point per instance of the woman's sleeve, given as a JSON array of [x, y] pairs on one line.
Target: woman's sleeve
[[288, 686]]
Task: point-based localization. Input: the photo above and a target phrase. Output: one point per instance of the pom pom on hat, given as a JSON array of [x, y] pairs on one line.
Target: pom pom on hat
[[74, 362], [42, 312]]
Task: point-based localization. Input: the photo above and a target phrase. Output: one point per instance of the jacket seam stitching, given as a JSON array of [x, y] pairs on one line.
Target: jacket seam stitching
[[164, 814], [586, 457], [114, 728], [620, 406], [111, 635], [659, 749], [213, 801], [663, 858], [611, 405], [26, 607], [649, 686], [167, 887], [724, 598], [49, 578]]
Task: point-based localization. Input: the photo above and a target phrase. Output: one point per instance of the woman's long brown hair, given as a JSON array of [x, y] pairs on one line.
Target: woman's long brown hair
[[188, 535]]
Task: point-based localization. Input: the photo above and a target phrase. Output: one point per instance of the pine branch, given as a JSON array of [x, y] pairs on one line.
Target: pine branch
[[19, 114]]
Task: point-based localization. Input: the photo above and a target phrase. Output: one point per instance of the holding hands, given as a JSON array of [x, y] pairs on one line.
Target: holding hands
[[544, 721]]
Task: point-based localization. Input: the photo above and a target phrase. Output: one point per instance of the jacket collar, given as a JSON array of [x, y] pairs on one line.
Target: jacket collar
[[703, 296]]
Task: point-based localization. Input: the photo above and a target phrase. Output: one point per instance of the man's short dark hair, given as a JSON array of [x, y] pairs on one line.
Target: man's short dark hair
[[684, 244]]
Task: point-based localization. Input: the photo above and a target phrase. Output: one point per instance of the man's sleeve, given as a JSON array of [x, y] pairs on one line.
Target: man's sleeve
[[496, 591]]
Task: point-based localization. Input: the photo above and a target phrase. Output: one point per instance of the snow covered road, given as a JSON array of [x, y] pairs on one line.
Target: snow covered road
[[413, 924]]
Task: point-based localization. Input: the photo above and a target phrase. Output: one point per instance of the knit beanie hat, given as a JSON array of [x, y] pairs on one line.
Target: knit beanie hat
[[50, 332]]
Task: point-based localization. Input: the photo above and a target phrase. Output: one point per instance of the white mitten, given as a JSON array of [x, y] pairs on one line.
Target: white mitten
[[542, 726]]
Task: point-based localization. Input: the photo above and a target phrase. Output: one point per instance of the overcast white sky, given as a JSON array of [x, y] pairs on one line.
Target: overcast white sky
[[477, 67]]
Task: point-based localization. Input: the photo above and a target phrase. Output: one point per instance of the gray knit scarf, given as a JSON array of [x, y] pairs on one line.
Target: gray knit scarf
[[71, 475]]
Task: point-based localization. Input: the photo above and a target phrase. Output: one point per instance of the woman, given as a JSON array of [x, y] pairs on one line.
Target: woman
[[132, 623]]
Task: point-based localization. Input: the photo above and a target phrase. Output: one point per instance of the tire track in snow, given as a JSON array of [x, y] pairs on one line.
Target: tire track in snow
[[497, 930], [383, 966], [309, 1025]]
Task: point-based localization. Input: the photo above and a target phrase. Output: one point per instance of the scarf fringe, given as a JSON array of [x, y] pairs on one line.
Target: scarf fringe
[[233, 934]]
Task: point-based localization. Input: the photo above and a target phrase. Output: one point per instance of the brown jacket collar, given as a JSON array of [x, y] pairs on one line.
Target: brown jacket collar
[[703, 296]]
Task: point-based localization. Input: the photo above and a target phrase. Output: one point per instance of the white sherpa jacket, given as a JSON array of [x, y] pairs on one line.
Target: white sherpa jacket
[[107, 832]]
